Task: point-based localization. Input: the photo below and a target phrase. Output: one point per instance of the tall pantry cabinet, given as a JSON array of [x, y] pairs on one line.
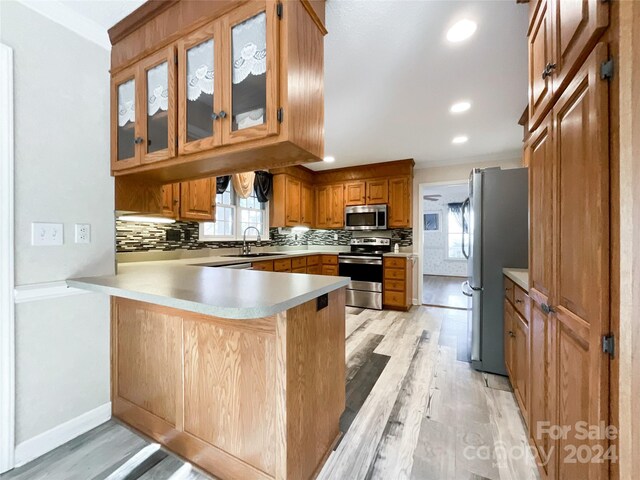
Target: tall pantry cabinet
[[568, 154]]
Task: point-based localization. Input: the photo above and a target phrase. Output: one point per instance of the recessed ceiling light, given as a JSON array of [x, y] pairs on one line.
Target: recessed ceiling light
[[329, 159], [460, 107], [459, 139], [461, 30]]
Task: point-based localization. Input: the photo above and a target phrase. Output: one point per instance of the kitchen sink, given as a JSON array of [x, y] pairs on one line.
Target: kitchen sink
[[252, 255]]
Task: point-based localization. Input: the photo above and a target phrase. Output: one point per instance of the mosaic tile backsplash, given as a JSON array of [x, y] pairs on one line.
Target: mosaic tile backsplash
[[143, 237]]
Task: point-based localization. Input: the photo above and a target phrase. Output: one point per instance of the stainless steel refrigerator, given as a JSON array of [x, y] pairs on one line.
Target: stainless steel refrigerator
[[495, 236]]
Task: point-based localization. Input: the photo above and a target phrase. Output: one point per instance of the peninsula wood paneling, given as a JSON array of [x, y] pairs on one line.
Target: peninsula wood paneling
[[313, 342], [148, 352], [233, 369], [250, 399]]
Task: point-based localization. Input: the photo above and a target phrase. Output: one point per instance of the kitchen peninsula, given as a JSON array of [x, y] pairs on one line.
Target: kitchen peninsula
[[240, 371]]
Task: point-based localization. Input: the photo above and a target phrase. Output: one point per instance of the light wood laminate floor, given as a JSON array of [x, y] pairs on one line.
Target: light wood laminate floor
[[440, 291], [414, 411]]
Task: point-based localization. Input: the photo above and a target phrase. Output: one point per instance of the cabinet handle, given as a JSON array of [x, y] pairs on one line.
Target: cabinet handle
[[518, 300], [138, 140], [547, 309], [214, 116], [511, 334], [222, 114], [548, 70]]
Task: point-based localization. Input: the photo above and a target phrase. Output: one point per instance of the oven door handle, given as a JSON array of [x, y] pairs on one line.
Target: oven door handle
[[360, 260]]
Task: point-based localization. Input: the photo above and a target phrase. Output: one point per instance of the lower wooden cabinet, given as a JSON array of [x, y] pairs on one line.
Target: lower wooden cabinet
[[329, 264], [397, 284], [516, 343], [311, 264]]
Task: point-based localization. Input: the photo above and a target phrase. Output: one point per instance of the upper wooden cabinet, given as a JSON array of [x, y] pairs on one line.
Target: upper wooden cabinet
[[235, 90], [322, 207], [377, 191], [143, 109], [561, 35], [318, 199], [198, 200], [307, 205], [171, 200], [355, 193], [400, 202], [336, 206], [292, 203]]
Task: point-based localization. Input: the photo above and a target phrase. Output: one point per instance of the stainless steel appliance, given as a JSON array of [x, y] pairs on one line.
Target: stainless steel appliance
[[365, 217], [495, 235], [363, 264]]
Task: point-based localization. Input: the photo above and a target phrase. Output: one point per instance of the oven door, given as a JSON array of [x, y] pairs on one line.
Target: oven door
[[365, 272], [360, 218]]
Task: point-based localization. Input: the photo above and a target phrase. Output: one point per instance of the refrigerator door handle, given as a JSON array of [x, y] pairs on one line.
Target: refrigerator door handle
[[464, 204]]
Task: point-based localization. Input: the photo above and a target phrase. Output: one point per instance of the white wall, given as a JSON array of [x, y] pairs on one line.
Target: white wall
[[455, 173], [61, 120], [435, 259]]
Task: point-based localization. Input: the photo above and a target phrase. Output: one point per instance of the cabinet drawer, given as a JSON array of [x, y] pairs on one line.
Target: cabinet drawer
[[330, 270], [394, 298], [314, 270], [395, 262], [508, 289], [266, 266], [313, 260], [394, 273], [395, 285], [521, 302], [329, 259], [299, 270], [282, 264], [298, 262]]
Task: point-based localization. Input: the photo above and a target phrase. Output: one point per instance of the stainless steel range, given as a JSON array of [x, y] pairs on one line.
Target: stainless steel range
[[363, 264]]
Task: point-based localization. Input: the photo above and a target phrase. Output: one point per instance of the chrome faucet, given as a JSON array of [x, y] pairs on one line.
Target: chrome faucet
[[246, 249]]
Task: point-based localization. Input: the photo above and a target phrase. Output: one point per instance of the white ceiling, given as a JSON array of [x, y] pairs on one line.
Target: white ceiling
[[391, 76]]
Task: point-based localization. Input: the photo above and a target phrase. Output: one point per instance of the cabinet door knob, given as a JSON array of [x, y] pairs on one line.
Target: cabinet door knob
[[214, 116], [138, 140], [222, 114], [548, 70], [547, 309]]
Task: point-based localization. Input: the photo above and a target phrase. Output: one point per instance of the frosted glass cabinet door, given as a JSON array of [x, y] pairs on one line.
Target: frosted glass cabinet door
[[200, 112], [126, 119], [159, 103], [252, 74], [125, 132]]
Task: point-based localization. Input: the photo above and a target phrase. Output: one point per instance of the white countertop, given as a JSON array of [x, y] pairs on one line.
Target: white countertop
[[221, 292], [520, 277], [400, 254]]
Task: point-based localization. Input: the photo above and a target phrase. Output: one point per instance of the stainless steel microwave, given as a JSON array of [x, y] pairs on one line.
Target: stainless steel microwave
[[365, 217]]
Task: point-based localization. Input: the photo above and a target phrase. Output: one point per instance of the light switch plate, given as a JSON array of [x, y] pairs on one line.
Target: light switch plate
[[43, 234], [83, 233]]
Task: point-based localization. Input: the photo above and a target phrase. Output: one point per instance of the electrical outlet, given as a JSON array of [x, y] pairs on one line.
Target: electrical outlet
[[47, 234], [335, 236], [83, 233]]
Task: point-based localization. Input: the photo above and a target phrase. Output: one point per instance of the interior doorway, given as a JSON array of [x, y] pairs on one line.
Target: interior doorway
[[444, 266]]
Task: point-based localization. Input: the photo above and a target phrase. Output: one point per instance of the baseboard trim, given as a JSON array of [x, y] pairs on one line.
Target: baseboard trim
[[44, 291], [45, 442]]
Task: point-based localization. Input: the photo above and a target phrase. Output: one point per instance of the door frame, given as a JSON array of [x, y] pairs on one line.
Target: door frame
[[421, 186], [7, 306]]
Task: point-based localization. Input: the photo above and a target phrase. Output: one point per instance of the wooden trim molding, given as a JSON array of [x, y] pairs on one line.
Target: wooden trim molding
[[628, 334], [141, 15], [7, 314], [307, 4]]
